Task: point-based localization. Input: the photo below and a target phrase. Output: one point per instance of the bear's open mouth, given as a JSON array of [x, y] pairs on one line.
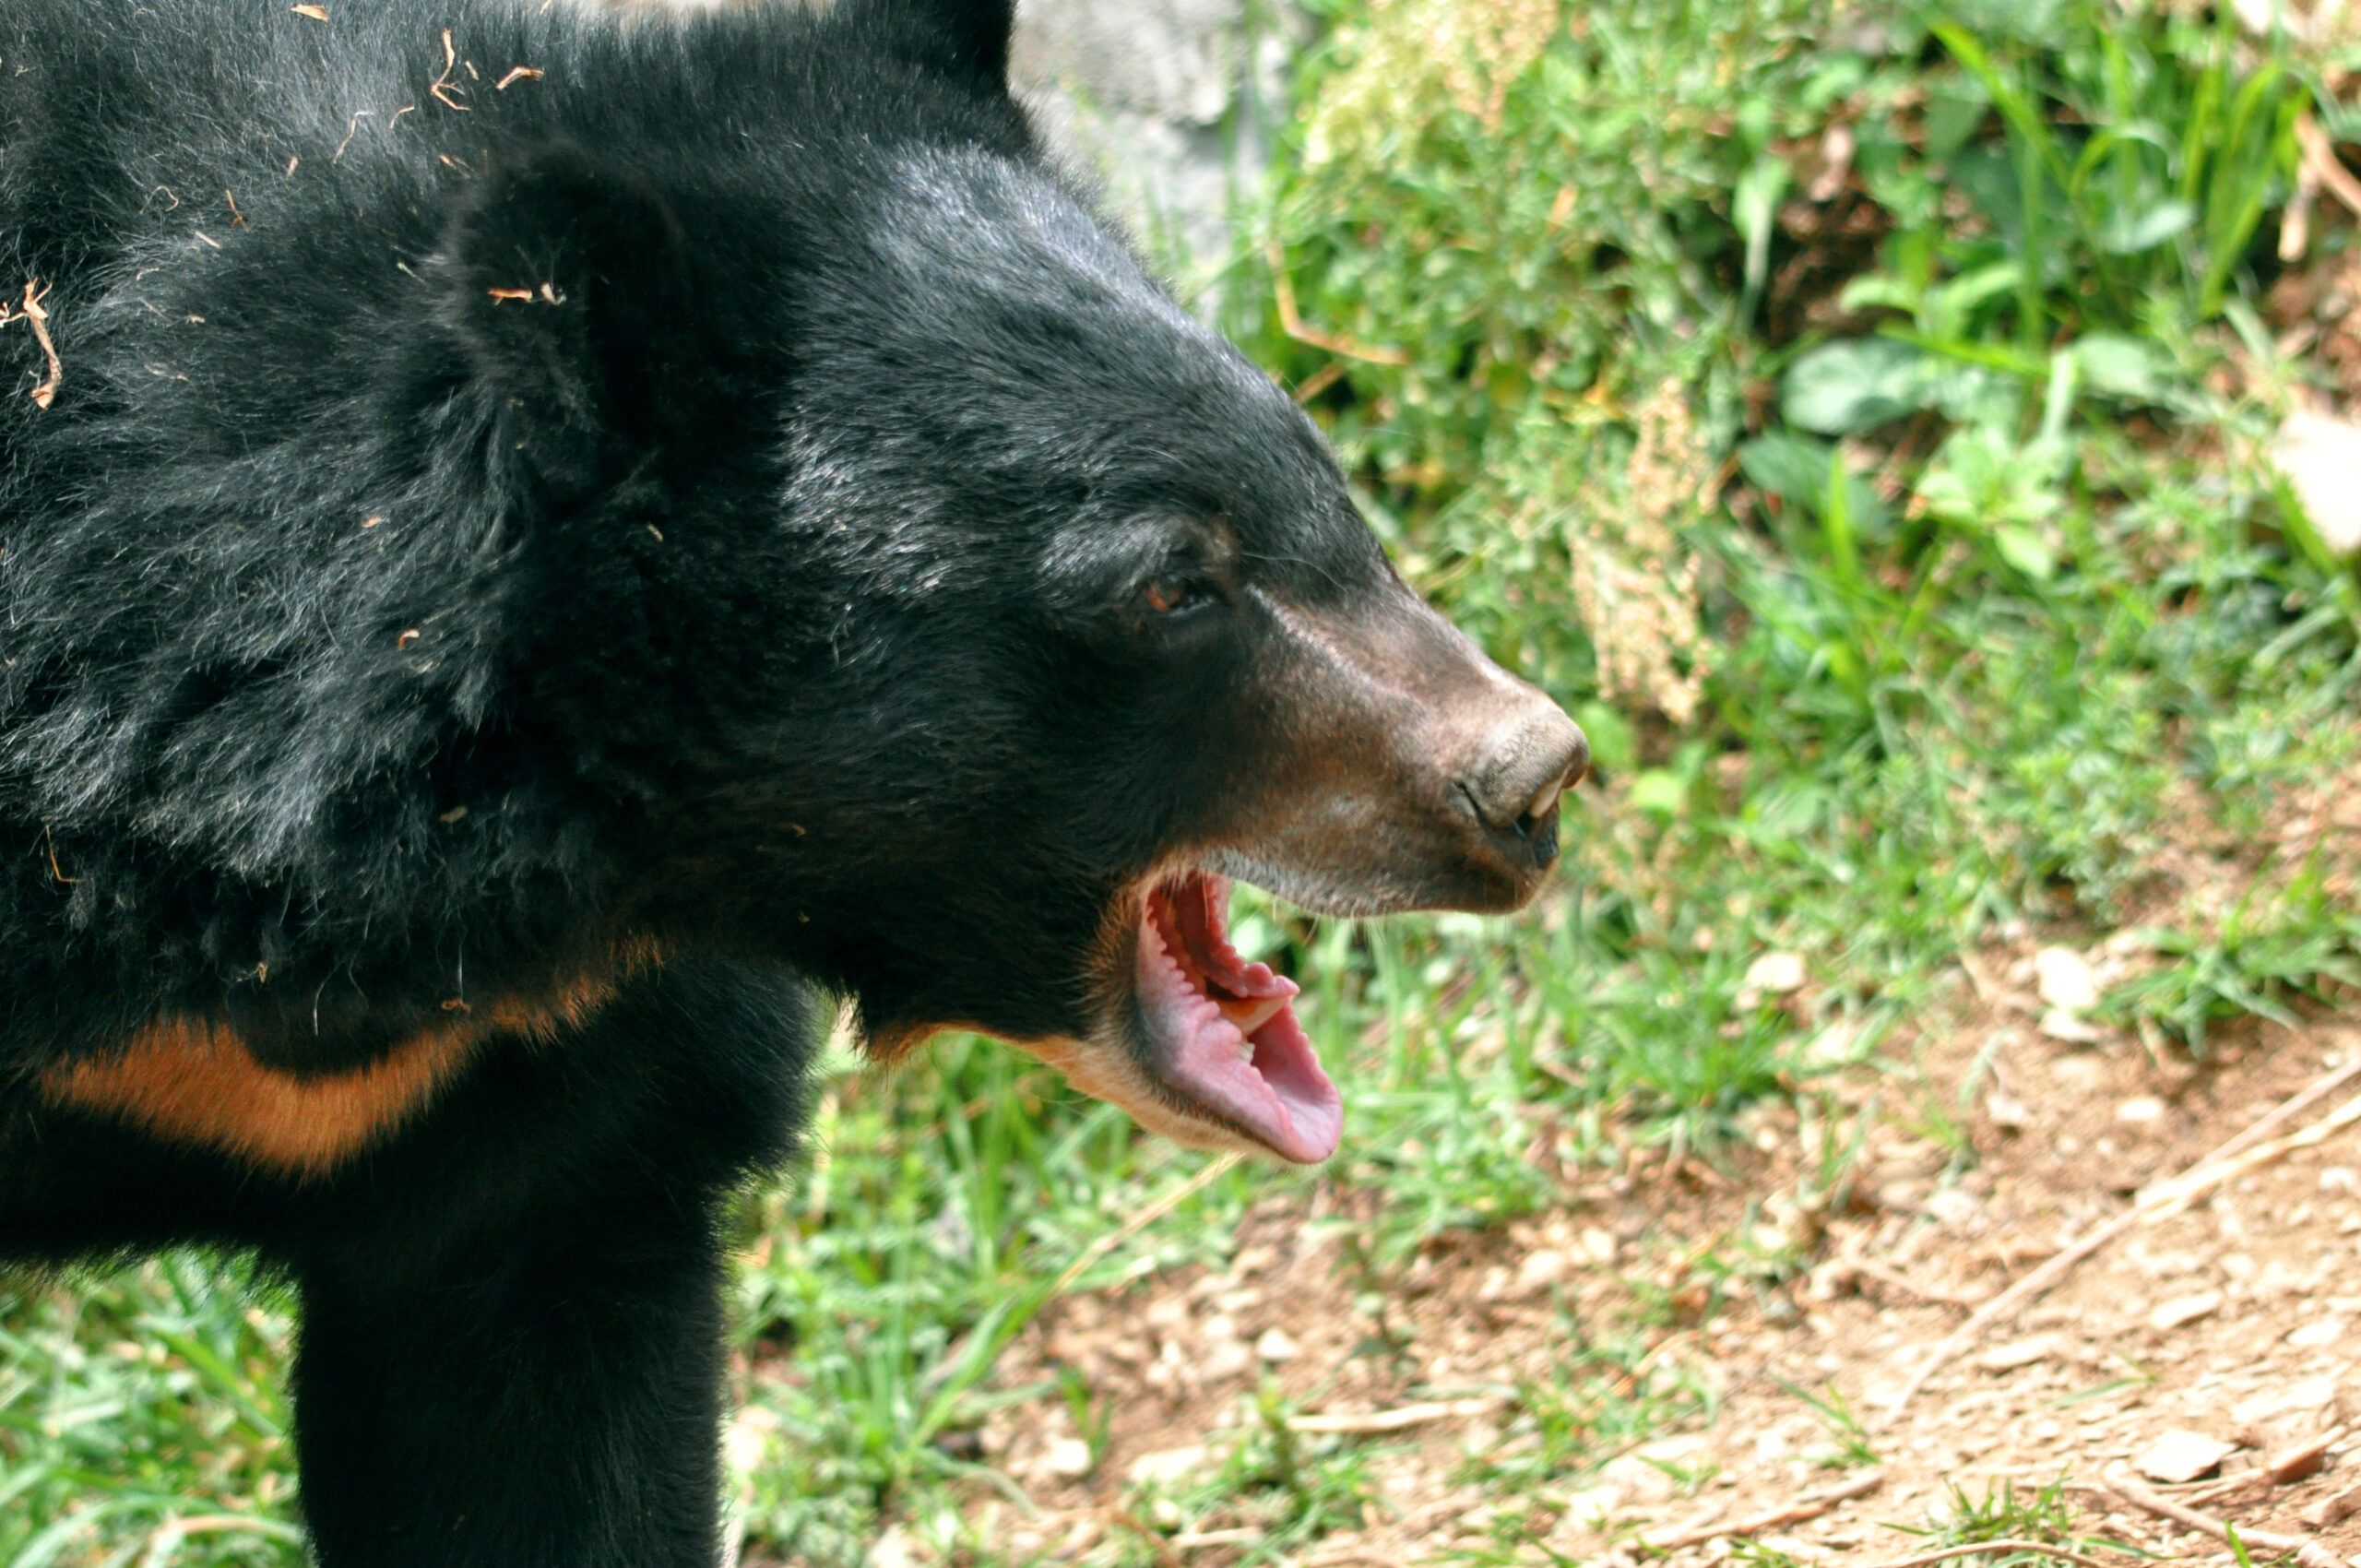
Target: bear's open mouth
[[1225, 1039]]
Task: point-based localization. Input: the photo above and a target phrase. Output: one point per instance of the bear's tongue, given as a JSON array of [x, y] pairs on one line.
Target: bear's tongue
[[1225, 1037]]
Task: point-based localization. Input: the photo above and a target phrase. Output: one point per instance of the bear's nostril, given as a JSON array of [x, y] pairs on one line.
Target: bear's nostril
[[1539, 831]]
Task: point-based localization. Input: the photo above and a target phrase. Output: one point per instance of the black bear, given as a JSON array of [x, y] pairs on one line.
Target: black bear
[[533, 545]]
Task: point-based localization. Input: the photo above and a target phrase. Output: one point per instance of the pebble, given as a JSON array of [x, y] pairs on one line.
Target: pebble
[[2182, 1311], [1776, 974], [2139, 1109], [1540, 1270], [2182, 1455], [2310, 1394], [1275, 1346], [2007, 1112], [2061, 1025], [2317, 453], [2019, 1353], [1167, 1466], [894, 1549], [1068, 1456], [2065, 980]]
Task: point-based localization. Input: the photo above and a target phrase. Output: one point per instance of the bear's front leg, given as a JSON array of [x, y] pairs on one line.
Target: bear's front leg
[[511, 1347], [552, 1396]]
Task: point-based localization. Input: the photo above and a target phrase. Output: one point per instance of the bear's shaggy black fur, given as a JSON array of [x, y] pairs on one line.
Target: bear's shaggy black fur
[[528, 543]]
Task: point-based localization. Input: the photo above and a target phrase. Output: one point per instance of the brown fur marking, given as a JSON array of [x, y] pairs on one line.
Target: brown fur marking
[[192, 1081]]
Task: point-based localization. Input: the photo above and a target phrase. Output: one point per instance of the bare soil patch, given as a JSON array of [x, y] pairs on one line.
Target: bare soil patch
[[2228, 1332]]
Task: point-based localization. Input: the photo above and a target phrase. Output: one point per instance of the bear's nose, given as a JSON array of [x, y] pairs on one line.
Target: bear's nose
[[1520, 770]]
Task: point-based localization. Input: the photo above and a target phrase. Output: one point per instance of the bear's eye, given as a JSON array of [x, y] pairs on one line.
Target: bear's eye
[[1167, 594]]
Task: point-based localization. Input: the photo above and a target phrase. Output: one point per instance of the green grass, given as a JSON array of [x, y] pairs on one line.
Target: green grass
[[1904, 552]]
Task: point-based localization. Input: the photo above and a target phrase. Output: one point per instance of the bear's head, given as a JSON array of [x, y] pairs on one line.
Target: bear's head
[[1011, 612]]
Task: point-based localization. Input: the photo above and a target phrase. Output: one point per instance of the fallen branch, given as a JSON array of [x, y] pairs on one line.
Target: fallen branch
[[1809, 1506], [2175, 1196], [2232, 1158], [2308, 1554], [1402, 1416]]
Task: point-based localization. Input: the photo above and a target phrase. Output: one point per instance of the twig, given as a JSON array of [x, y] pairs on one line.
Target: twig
[[2320, 157], [166, 1542], [2287, 1111], [351, 129], [445, 90], [1809, 1506], [1852, 1263], [2276, 1470], [1139, 1221], [1155, 1538], [1987, 1547], [1360, 1422], [2295, 222], [1293, 325], [55, 869], [2232, 1158], [2310, 1554], [1193, 1540], [1987, 988], [32, 314], [2177, 1195]]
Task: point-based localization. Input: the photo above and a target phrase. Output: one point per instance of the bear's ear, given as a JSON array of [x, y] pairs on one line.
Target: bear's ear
[[966, 38], [569, 281]]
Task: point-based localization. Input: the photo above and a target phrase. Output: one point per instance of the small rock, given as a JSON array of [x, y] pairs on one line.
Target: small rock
[[1588, 1512], [2182, 1311], [2333, 1509], [894, 1549], [1776, 974], [2321, 458], [2021, 1353], [745, 1447], [2139, 1109], [1643, 1484], [2182, 1455], [1952, 1204], [1275, 1346], [1224, 1358], [1167, 1466], [1598, 1245], [2061, 1025], [2075, 1070], [2008, 1113], [1540, 1270], [2310, 1394], [1068, 1456], [2317, 1334], [1675, 1450], [2065, 980]]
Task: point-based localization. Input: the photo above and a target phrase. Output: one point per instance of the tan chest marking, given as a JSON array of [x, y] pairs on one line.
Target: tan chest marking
[[194, 1082]]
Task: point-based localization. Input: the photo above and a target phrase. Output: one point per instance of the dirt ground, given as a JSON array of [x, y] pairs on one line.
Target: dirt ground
[[2234, 1322]]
